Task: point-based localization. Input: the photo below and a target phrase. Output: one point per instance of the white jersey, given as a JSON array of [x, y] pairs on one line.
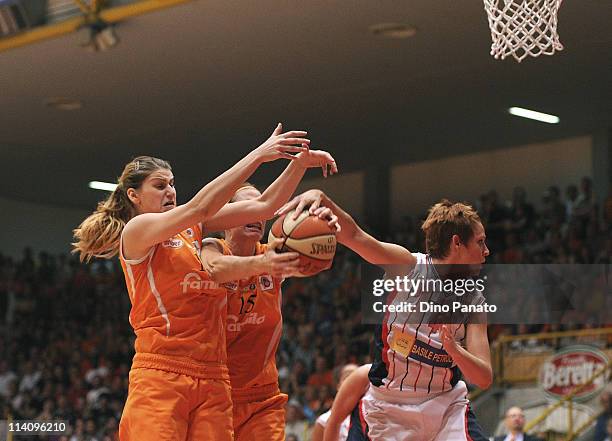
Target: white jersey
[[344, 427], [410, 358]]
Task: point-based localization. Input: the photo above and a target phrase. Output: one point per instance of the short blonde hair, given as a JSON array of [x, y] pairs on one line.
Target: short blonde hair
[[244, 185]]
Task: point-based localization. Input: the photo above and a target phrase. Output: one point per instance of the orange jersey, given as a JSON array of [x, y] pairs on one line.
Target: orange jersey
[[178, 313], [254, 327]]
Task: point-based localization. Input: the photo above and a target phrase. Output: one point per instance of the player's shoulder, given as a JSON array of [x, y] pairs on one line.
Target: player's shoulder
[[406, 269], [216, 244]]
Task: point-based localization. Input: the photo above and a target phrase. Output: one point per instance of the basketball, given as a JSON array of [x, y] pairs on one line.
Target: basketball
[[309, 236]]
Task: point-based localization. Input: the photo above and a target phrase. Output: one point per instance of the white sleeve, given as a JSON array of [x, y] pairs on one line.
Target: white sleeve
[[322, 419]]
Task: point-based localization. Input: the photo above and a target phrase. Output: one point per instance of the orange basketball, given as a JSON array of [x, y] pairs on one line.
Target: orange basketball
[[309, 236]]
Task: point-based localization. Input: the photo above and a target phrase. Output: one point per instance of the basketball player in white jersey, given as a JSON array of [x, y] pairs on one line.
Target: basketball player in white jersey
[[322, 421], [416, 392], [344, 420]]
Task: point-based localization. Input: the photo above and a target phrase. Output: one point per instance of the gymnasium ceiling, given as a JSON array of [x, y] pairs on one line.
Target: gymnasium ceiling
[[202, 83]]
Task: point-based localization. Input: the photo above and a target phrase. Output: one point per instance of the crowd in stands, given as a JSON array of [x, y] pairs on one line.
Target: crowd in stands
[[67, 345], [565, 229]]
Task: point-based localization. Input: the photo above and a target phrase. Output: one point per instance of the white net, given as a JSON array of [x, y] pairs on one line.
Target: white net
[[523, 27]]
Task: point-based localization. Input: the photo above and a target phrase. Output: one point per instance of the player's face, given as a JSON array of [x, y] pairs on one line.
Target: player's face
[[475, 251], [156, 194], [253, 231]]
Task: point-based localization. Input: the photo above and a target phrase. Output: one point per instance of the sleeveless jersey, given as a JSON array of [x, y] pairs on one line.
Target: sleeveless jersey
[[409, 357], [178, 313], [344, 426], [254, 328]]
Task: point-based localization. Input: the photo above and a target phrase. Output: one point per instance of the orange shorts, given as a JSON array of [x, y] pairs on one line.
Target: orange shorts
[[260, 420], [165, 405]]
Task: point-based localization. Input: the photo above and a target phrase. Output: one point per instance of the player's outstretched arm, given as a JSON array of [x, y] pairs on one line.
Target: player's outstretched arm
[[263, 207], [475, 361], [351, 234], [144, 231], [349, 394], [222, 268], [317, 432]]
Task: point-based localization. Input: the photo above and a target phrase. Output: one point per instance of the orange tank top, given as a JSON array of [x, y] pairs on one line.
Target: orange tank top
[[178, 313], [254, 328]]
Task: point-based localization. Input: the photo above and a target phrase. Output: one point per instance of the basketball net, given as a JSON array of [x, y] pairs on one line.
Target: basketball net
[[523, 27]]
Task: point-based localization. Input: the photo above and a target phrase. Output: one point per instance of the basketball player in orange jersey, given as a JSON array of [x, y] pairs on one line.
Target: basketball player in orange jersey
[[412, 396], [179, 384], [252, 274]]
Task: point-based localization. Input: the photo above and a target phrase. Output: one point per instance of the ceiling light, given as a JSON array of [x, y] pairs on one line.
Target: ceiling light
[[106, 186], [61, 103], [532, 114], [393, 30]]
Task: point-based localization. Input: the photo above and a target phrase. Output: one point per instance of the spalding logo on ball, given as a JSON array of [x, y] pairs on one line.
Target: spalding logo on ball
[[309, 236]]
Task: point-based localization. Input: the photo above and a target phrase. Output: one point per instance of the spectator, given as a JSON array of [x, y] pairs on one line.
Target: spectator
[[326, 399], [495, 217], [78, 433], [609, 430], [603, 420], [322, 376], [608, 208], [571, 200], [90, 431], [605, 254], [515, 422], [30, 377], [553, 209], [513, 254], [298, 377], [535, 248], [521, 212], [62, 410], [585, 202], [7, 377], [295, 424], [47, 411]]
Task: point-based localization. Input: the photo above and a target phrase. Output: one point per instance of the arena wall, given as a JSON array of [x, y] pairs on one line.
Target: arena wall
[[414, 187]]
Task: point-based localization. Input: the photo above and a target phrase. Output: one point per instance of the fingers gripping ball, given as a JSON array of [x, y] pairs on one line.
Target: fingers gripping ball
[[309, 236]]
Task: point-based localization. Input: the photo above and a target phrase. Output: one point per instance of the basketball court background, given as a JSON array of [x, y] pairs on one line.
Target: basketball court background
[[408, 120]]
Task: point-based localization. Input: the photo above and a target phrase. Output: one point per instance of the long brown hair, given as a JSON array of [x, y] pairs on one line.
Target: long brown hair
[[99, 234]]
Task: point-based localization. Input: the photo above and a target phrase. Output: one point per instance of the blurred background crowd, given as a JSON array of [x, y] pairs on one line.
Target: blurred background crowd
[[67, 346]]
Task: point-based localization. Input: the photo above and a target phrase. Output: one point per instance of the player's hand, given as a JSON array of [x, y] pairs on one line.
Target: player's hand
[[325, 213], [311, 197], [277, 264], [449, 344], [318, 158], [281, 145]]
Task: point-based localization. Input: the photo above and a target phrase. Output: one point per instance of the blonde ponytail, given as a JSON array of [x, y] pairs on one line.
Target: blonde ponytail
[[99, 234]]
